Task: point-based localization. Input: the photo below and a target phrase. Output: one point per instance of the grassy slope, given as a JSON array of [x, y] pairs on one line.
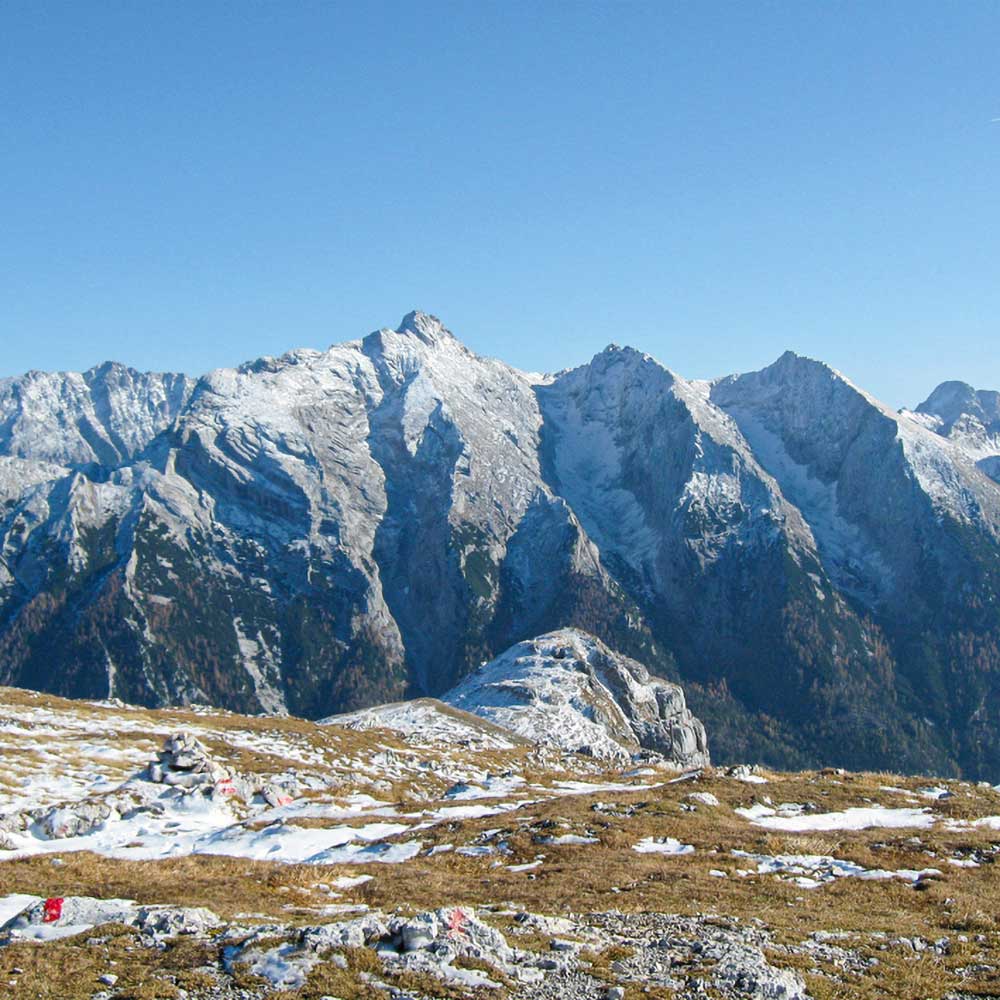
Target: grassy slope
[[604, 876]]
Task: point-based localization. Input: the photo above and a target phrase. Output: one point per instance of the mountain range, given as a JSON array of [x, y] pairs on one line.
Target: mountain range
[[328, 530]]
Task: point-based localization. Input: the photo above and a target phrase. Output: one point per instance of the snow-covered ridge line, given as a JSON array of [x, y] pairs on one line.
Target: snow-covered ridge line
[[330, 530]]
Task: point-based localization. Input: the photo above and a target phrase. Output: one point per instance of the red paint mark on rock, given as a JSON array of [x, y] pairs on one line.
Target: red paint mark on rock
[[52, 910], [456, 923]]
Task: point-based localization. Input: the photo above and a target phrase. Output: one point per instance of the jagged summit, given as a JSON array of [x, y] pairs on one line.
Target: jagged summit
[[626, 365], [428, 328], [104, 416], [791, 367]]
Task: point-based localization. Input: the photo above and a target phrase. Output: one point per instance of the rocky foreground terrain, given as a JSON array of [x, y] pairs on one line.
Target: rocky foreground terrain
[[422, 851]]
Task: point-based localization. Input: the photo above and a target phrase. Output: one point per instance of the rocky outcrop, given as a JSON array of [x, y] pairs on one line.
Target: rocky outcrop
[[569, 690], [452, 945], [46, 919], [455, 945]]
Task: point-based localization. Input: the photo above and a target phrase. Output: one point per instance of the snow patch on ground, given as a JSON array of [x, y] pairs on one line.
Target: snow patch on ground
[[810, 871], [855, 818], [665, 845]]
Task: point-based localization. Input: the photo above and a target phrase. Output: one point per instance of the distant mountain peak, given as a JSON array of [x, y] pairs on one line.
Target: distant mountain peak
[[792, 361], [626, 359], [968, 418], [954, 399]]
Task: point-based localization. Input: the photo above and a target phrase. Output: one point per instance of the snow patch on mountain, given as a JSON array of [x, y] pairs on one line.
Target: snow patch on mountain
[[428, 721], [567, 689], [848, 556]]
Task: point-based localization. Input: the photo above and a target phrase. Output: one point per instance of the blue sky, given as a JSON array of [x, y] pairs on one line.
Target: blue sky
[[187, 185]]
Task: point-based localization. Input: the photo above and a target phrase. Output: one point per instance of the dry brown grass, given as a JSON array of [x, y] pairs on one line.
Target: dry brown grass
[[229, 886], [604, 876], [69, 969], [610, 875]]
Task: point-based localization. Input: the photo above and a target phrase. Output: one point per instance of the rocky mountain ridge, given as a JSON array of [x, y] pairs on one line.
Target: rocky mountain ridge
[[333, 529]]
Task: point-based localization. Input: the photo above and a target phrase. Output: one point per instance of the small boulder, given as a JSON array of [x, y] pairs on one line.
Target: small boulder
[[170, 921], [74, 820]]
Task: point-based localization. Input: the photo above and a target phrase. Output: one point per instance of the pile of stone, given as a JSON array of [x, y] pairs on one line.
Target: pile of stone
[[185, 763]]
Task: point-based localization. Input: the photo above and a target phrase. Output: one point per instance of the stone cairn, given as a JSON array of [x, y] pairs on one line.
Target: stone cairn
[[185, 763]]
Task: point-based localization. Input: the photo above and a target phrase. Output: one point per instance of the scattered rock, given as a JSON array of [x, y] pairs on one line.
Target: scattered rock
[[702, 798], [170, 921]]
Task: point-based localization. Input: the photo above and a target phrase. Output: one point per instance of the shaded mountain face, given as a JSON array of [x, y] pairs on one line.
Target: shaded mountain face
[[334, 529]]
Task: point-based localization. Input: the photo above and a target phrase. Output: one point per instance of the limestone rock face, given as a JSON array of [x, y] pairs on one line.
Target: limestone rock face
[[568, 689]]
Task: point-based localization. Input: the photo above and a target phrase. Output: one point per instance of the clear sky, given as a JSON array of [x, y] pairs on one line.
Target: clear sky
[[185, 185]]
